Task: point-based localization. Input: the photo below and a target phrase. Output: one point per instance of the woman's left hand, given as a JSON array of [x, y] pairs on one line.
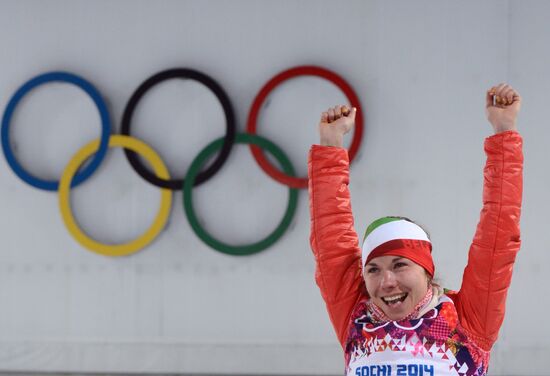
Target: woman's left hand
[[502, 107]]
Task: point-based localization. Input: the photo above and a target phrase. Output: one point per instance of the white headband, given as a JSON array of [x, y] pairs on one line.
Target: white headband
[[391, 231]]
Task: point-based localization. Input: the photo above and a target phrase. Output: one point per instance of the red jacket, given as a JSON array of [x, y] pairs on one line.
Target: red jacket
[[480, 302]]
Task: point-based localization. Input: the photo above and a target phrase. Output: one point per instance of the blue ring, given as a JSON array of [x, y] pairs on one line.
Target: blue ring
[[105, 125]]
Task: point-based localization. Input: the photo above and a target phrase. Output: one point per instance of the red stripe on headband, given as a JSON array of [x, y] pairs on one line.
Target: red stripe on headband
[[418, 251]]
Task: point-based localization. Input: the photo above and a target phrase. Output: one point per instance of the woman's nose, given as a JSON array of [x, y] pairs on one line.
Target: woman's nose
[[388, 280]]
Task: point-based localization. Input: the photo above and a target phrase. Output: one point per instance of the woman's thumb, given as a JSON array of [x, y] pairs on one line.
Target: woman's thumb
[[353, 112], [489, 99]]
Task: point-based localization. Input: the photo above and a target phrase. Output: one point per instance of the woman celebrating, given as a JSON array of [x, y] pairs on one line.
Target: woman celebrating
[[390, 318]]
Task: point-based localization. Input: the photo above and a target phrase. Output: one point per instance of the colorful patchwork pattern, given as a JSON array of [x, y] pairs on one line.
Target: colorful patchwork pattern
[[436, 339]]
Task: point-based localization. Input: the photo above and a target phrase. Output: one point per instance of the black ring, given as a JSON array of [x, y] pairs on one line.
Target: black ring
[[185, 73]]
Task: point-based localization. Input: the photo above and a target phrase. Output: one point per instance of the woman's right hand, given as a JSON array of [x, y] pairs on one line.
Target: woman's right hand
[[335, 123], [503, 113]]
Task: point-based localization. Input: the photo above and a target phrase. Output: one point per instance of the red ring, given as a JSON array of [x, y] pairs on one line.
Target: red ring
[[258, 154]]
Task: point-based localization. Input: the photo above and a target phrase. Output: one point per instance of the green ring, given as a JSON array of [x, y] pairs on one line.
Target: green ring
[[199, 161]]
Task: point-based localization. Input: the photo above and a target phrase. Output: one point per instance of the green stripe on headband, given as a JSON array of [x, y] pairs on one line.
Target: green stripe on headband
[[379, 222]]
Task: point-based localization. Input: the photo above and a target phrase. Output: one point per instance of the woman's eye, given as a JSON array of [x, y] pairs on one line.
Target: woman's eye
[[372, 270], [400, 264]]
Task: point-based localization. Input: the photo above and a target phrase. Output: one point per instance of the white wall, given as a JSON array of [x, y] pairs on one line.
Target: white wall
[[420, 69]]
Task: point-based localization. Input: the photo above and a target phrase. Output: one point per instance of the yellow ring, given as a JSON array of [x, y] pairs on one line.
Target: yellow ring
[[65, 207]]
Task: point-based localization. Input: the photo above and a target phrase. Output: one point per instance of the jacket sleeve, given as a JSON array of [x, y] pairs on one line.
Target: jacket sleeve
[[333, 239], [482, 297]]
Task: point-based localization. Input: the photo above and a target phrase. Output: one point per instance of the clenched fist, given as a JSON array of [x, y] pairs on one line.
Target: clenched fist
[[335, 123], [502, 107]]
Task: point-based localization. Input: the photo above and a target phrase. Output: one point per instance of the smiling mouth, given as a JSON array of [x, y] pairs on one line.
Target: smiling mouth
[[394, 299]]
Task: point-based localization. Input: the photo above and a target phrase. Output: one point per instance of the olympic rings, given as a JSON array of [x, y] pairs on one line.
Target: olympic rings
[[202, 157], [14, 101], [229, 136], [161, 178], [64, 202], [261, 97]]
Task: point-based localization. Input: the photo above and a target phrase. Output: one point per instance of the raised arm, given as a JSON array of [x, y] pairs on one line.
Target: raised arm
[[333, 239], [482, 297]]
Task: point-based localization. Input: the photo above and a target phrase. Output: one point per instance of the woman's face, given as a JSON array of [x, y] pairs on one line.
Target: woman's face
[[395, 284]]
